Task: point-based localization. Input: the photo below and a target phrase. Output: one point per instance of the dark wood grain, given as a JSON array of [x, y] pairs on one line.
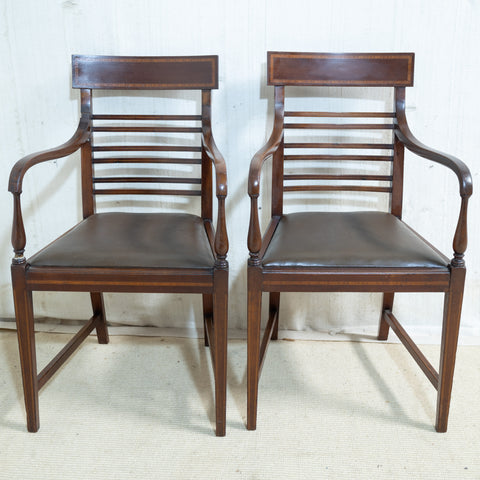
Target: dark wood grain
[[340, 69], [293, 274], [209, 279], [148, 73]]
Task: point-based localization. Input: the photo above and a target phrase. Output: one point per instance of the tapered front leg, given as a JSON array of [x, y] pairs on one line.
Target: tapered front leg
[[220, 329], [254, 309], [26, 345], [451, 324]]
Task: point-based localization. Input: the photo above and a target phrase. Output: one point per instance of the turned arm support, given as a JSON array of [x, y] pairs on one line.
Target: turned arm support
[[254, 232], [403, 133], [80, 137], [212, 152]]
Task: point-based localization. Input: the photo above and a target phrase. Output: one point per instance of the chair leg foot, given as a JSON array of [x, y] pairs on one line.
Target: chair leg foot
[[98, 307], [26, 345], [387, 304], [207, 300], [220, 328], [451, 324], [275, 307], [253, 346]]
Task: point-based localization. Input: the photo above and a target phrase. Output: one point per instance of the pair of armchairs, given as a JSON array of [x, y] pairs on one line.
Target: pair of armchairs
[[183, 253]]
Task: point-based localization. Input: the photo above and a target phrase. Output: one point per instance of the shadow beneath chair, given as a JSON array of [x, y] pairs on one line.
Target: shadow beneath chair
[[342, 400]]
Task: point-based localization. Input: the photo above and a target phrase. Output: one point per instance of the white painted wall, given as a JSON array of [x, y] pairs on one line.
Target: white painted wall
[[40, 110]]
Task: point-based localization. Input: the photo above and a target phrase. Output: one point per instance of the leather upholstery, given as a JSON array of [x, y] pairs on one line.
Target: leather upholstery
[[348, 239], [157, 240]]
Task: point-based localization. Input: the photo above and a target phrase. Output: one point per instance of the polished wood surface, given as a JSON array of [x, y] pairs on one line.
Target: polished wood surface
[[274, 268], [107, 72], [131, 252], [340, 69]]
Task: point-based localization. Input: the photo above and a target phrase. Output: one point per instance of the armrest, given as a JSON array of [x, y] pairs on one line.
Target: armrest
[[81, 135], [18, 171], [403, 133]]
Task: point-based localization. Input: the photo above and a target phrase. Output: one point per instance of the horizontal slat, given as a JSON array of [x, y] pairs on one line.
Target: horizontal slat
[[372, 158], [373, 146], [335, 188], [146, 148], [381, 178], [339, 126], [147, 180], [342, 114], [189, 161], [149, 129], [146, 117], [130, 191]]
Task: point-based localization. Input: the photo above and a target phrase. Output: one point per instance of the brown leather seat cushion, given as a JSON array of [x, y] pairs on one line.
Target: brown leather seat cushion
[[350, 239], [168, 240]]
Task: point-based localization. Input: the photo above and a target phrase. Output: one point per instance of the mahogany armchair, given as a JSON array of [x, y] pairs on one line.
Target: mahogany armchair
[[361, 251], [123, 251]]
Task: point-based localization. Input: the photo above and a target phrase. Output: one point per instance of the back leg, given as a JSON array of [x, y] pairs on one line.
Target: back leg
[[275, 310], [207, 313], [386, 305], [98, 307]]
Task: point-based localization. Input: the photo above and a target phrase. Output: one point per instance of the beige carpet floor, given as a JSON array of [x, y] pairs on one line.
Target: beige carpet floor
[[142, 408]]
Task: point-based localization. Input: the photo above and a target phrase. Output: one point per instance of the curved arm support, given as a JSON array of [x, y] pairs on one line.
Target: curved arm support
[[403, 133], [211, 150], [258, 160], [80, 137]]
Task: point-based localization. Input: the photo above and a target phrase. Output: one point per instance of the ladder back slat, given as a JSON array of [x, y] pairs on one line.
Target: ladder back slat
[[373, 158], [147, 160], [146, 192], [373, 146], [382, 178], [146, 117], [148, 129], [146, 148], [339, 126], [147, 180], [335, 188], [341, 114]]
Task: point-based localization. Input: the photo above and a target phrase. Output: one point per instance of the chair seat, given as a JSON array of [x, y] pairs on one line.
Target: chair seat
[[137, 240], [348, 239]]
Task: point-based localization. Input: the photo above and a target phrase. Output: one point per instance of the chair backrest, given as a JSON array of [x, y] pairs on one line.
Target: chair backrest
[[362, 137], [146, 143]]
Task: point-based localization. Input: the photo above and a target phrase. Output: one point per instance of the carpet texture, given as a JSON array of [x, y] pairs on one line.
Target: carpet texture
[[142, 408]]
